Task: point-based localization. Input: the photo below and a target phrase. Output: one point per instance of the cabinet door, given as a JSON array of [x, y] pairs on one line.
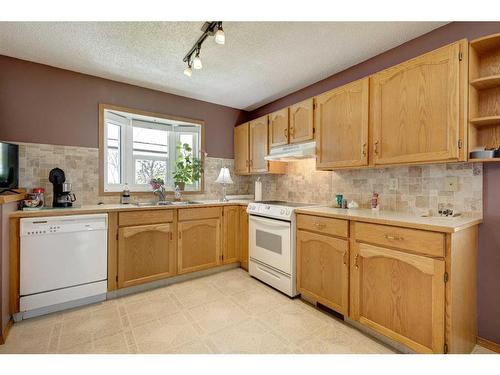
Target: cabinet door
[[241, 149], [278, 128], [322, 269], [415, 109], [199, 245], [231, 234], [341, 122], [400, 295], [301, 121], [243, 238], [145, 253], [258, 145]]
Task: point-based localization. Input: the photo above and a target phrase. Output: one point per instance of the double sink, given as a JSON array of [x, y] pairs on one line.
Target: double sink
[[166, 203]]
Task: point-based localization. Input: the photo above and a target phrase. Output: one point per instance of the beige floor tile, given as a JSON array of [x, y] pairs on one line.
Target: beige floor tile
[[237, 284], [195, 294], [338, 338], [250, 337], [82, 329], [216, 315], [258, 301], [114, 344], [161, 335], [195, 347], [292, 322]]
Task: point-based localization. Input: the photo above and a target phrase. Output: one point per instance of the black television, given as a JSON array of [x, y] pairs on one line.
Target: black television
[[9, 167]]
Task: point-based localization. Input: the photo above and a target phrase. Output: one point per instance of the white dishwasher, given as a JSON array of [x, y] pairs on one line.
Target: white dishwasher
[[64, 262]]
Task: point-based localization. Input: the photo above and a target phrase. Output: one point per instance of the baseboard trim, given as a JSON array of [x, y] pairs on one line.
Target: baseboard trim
[[488, 344], [5, 332]]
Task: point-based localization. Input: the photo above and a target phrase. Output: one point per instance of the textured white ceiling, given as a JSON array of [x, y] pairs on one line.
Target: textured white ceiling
[[260, 62]]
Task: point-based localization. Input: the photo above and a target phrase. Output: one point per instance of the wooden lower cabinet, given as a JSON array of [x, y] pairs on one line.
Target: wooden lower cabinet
[[231, 231], [323, 269], [199, 245], [243, 255], [145, 253], [400, 295]]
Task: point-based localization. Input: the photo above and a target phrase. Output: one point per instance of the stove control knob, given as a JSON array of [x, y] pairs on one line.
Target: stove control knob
[[282, 212], [288, 212]]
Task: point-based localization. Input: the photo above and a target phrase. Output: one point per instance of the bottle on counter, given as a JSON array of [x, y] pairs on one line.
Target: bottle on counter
[[375, 202], [125, 199]]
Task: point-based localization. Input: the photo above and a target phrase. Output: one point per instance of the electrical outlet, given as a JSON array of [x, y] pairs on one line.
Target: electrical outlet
[[451, 183], [393, 184]]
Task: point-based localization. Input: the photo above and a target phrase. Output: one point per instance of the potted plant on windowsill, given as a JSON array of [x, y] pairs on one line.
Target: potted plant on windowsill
[[188, 168]]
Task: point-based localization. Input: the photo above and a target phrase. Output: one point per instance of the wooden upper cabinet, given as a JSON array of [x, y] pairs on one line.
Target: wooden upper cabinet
[[341, 122], [301, 121], [231, 234], [258, 145], [241, 149], [199, 244], [400, 295], [278, 128], [417, 108], [145, 253], [323, 269]]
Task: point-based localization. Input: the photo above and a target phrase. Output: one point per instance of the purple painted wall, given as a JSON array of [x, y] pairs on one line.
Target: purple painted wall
[[43, 104], [489, 232]]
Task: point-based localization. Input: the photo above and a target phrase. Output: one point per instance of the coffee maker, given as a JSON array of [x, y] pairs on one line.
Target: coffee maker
[[62, 195]]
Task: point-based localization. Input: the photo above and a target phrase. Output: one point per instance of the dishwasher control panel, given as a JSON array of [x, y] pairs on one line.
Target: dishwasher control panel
[[62, 224]]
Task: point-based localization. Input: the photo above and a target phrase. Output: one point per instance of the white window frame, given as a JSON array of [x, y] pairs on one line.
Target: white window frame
[[126, 121]]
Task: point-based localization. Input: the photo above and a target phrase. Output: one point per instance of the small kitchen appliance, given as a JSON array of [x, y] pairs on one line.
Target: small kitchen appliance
[[62, 195]]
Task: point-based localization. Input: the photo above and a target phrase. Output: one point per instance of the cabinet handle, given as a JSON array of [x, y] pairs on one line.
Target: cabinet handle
[[375, 148], [247, 163], [345, 258], [171, 236], [363, 149], [292, 131], [356, 261], [180, 235], [285, 131], [395, 238]]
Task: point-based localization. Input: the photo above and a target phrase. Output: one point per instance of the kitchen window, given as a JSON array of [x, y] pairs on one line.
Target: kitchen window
[[136, 148]]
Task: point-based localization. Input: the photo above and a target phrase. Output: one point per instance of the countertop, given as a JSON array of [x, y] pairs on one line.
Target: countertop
[[103, 208], [432, 223]]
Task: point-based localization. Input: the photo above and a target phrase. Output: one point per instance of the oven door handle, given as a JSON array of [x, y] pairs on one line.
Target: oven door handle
[[271, 223]]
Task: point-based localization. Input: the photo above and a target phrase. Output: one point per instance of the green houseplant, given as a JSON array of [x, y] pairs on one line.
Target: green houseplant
[[188, 168]]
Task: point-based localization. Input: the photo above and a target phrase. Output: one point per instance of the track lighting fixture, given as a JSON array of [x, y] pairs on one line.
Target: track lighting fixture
[[213, 28]]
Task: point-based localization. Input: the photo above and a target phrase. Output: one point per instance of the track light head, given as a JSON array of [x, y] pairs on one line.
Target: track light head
[[220, 38], [197, 61]]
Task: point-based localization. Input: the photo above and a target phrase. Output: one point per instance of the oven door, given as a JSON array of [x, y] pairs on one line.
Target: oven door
[[270, 242]]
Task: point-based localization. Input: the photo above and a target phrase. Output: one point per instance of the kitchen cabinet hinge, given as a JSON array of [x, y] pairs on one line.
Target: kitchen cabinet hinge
[[460, 56], [445, 277], [314, 105], [460, 144], [314, 130], [445, 348]]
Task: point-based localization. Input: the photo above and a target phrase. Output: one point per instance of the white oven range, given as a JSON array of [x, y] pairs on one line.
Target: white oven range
[[272, 244]]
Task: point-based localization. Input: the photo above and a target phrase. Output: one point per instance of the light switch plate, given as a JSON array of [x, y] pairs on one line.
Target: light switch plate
[[451, 183]]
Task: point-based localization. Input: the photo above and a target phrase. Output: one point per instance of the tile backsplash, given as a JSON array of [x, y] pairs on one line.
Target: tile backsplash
[[81, 167], [419, 188]]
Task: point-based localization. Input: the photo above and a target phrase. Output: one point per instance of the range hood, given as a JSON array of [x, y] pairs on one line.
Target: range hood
[[293, 152]]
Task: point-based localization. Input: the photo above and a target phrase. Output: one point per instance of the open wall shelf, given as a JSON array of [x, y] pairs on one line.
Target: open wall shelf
[[484, 94]]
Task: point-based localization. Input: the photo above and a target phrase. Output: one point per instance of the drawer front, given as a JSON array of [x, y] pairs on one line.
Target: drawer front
[[419, 241], [325, 225], [145, 217], [199, 213]]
